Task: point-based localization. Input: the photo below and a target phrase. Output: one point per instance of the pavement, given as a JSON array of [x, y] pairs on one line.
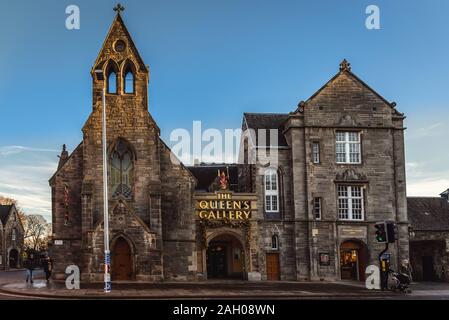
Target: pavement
[[13, 286]]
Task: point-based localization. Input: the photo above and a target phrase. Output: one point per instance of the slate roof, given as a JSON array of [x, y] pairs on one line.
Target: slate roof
[[4, 212], [207, 173], [266, 121], [426, 213]]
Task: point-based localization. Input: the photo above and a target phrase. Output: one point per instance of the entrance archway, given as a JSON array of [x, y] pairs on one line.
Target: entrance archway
[[13, 258], [122, 262], [225, 258], [353, 260]]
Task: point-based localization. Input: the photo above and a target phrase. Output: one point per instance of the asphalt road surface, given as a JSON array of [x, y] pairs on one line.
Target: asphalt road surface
[[16, 276], [420, 291]]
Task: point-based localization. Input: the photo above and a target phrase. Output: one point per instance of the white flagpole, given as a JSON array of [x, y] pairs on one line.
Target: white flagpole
[[107, 253]]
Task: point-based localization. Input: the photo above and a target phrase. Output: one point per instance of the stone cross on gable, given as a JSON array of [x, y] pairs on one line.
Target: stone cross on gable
[[345, 65], [119, 8]]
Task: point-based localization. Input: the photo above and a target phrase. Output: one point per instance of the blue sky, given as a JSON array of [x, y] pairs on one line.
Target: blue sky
[[211, 61]]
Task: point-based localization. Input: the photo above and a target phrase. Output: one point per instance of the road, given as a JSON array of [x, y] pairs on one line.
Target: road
[[16, 276], [420, 291]]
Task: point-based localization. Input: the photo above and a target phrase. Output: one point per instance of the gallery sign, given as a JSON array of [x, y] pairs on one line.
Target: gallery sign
[[224, 206]]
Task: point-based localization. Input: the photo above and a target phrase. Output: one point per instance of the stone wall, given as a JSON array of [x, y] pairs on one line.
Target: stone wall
[[431, 244], [344, 103], [178, 220], [69, 177]]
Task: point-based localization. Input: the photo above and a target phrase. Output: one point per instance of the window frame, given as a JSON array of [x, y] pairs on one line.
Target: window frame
[[119, 175], [347, 147], [275, 242], [350, 202], [13, 234], [108, 86], [129, 70], [269, 192], [316, 153], [320, 208]]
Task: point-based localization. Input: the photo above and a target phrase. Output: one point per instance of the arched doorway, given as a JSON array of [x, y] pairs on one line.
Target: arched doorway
[[353, 260], [13, 258], [225, 258], [122, 264]]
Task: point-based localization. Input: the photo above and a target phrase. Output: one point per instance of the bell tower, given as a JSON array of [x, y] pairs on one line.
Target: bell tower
[[121, 72], [120, 69]]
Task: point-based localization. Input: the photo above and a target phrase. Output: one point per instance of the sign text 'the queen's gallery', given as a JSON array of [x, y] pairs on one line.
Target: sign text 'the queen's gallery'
[[223, 207]]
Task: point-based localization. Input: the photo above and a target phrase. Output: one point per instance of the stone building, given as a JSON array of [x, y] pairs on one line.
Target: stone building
[[11, 238], [429, 237], [150, 196], [301, 205], [335, 168]]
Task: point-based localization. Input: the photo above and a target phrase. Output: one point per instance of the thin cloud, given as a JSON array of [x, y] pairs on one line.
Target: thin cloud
[[24, 174], [9, 150], [427, 131]]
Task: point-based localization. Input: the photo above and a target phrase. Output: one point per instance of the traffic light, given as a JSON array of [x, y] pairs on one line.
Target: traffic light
[[386, 232], [381, 232], [391, 231]]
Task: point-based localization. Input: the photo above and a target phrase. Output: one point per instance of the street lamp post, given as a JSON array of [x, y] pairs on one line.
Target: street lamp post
[[107, 253]]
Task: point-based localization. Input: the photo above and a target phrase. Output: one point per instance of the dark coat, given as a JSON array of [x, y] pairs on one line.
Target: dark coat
[[48, 265], [30, 264]]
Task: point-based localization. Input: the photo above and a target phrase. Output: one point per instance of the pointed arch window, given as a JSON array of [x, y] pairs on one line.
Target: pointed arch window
[[112, 82], [128, 80], [112, 79], [275, 242], [121, 170]]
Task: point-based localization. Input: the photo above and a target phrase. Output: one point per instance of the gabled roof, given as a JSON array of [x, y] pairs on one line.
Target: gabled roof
[[427, 213], [345, 68], [118, 23], [4, 212], [65, 162], [266, 121]]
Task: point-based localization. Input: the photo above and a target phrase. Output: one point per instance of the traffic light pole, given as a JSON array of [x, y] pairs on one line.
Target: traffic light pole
[[383, 269]]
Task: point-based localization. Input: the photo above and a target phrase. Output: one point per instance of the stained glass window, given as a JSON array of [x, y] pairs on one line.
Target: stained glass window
[[121, 170]]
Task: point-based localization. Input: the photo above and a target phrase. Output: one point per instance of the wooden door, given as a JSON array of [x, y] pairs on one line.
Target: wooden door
[[122, 262], [427, 268], [216, 261], [273, 266]]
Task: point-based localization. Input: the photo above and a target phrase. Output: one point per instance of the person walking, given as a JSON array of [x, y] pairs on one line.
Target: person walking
[[48, 267], [30, 265]]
